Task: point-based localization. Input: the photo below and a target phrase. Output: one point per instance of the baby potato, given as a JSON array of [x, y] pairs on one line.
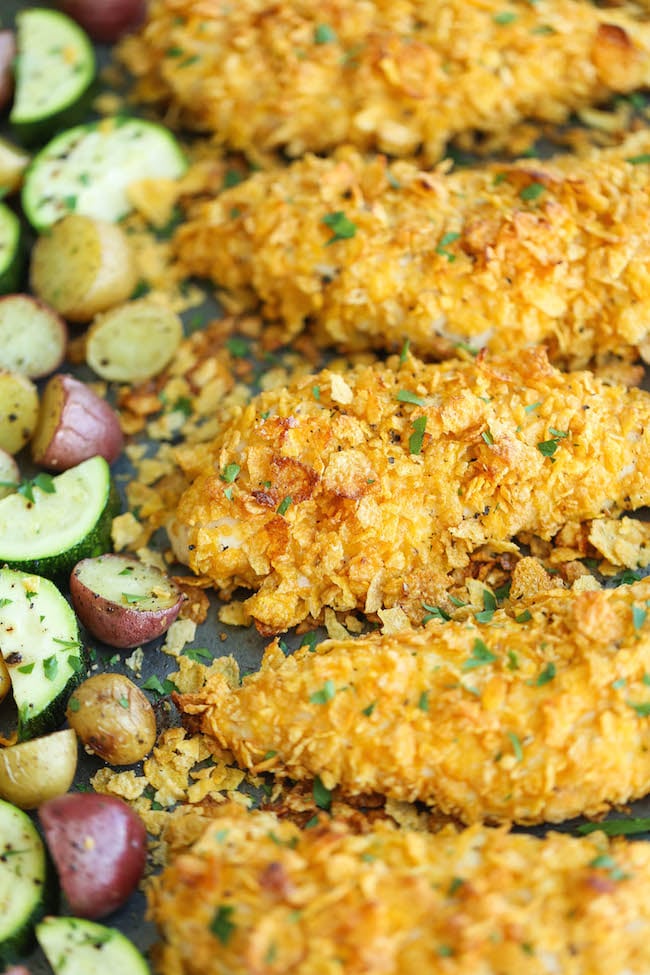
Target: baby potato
[[37, 770], [113, 719], [82, 267], [18, 410]]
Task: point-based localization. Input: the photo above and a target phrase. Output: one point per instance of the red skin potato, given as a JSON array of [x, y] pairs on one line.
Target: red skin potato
[[105, 20], [99, 848], [122, 627], [74, 425], [7, 55], [17, 970]]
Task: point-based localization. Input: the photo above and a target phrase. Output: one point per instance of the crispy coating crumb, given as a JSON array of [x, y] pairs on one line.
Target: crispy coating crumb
[[503, 257], [372, 503], [256, 896], [537, 716], [402, 77]]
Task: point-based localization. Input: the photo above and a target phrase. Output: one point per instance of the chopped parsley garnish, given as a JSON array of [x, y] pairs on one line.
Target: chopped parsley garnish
[[548, 447], [434, 613], [134, 597], [315, 391], [5, 602], [423, 701], [221, 925], [532, 406], [487, 437], [368, 711], [444, 243], [455, 885], [605, 862], [324, 34], [51, 667], [230, 472], [124, 703], [26, 488], [232, 178], [513, 660], [67, 644], [155, 684], [643, 710], [197, 654], [532, 192], [322, 795], [342, 226], [504, 17], [481, 655], [26, 668], [546, 675], [489, 607], [639, 615], [406, 396], [456, 601], [644, 157], [617, 827], [238, 347], [516, 746], [524, 617], [404, 354], [325, 694], [310, 640], [284, 505], [417, 437]]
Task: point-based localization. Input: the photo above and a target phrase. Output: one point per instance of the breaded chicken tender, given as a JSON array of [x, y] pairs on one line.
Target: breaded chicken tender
[[256, 896], [402, 76], [364, 490], [503, 257], [536, 717]]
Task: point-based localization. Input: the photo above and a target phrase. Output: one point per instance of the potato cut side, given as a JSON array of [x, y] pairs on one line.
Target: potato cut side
[[133, 342], [83, 266], [18, 411], [33, 337], [9, 474], [13, 163], [37, 770]]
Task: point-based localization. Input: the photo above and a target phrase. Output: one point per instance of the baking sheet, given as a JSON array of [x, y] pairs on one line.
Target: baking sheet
[[245, 645]]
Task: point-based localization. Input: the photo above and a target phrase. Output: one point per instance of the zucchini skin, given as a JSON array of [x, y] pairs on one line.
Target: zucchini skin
[[98, 541], [23, 939], [51, 717]]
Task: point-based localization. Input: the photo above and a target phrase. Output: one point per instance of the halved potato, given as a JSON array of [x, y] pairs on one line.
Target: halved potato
[[134, 342], [39, 769], [83, 266], [122, 601], [13, 163], [113, 719], [33, 336], [18, 411], [74, 424], [7, 58], [9, 474]]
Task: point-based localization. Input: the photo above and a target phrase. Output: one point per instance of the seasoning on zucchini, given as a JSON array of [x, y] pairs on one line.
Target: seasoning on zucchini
[[26, 883], [72, 945], [11, 252], [51, 523], [88, 169], [55, 68], [41, 647]]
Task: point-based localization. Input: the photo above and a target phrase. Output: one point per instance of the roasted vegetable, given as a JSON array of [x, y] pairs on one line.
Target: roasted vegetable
[[38, 770], [133, 342], [113, 719], [33, 336], [105, 20], [98, 845]]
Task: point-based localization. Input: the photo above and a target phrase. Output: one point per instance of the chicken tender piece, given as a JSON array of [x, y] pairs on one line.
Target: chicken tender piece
[[364, 490], [504, 257], [403, 77], [530, 719], [256, 895]]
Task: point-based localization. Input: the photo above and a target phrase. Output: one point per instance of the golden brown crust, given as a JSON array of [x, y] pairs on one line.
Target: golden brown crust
[[257, 896], [329, 506], [403, 77], [503, 257], [530, 721]]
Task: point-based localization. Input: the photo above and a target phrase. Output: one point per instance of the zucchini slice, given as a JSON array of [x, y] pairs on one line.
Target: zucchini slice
[[40, 645], [47, 532], [55, 68], [88, 169], [11, 252], [27, 886], [73, 946]]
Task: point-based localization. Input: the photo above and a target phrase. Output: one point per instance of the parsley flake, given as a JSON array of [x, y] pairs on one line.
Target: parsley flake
[[481, 655], [230, 473], [221, 925], [638, 617], [643, 709], [504, 17], [644, 157], [406, 396], [322, 795], [284, 505], [51, 667], [532, 192], [197, 654], [617, 827], [342, 226], [417, 437], [324, 34], [516, 746], [326, 693], [487, 437], [368, 711], [524, 617], [444, 243], [546, 675], [423, 702], [434, 613]]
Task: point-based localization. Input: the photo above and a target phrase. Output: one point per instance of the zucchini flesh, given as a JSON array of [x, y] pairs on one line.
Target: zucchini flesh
[[25, 882], [88, 169], [55, 68], [73, 946], [40, 644], [10, 250], [49, 535]]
